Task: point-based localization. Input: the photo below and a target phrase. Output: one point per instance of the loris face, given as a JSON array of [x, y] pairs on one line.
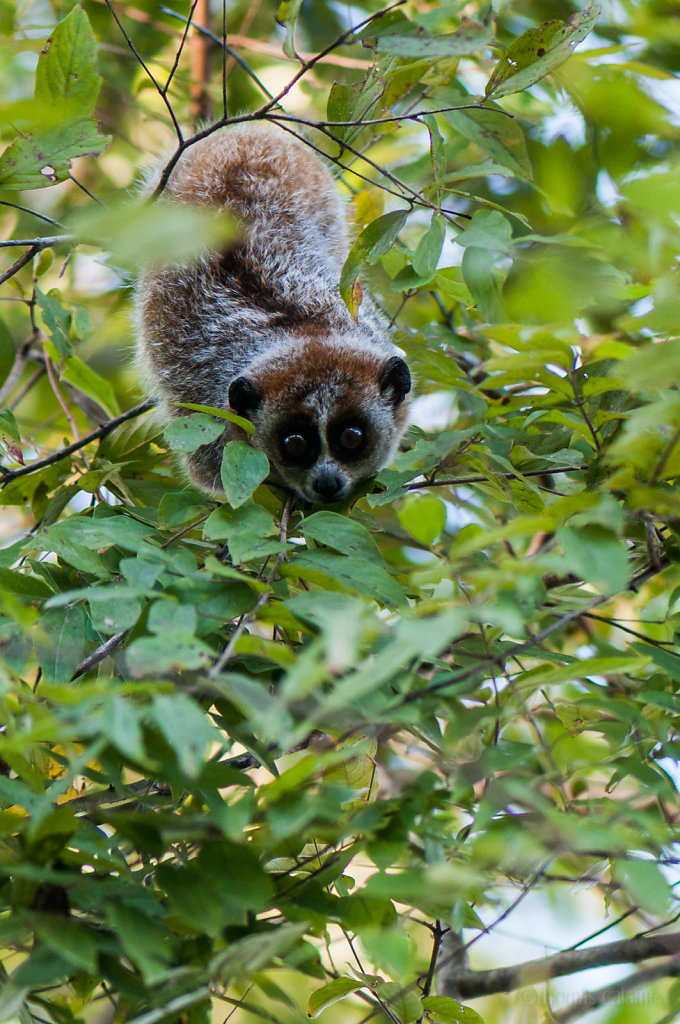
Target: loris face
[[326, 429]]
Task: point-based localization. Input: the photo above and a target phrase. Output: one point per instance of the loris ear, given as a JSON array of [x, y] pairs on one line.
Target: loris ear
[[243, 396], [395, 380]]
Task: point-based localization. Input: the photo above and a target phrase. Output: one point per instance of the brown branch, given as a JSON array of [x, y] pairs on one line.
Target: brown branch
[[615, 992], [62, 453], [25, 258], [21, 358], [473, 984], [396, 118], [200, 66]]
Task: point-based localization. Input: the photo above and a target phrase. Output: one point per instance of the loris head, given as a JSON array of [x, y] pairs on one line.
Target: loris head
[[326, 416]]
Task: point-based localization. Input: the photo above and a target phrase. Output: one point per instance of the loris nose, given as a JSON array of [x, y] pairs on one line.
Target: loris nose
[[327, 484]]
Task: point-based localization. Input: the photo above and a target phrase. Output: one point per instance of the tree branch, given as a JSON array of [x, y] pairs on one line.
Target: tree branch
[[615, 992], [460, 481], [473, 984], [101, 431]]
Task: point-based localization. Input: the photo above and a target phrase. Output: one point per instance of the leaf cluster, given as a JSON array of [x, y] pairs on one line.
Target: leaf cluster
[[244, 743]]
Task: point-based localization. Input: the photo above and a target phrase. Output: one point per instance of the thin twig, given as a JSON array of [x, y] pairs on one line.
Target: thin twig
[[225, 50], [102, 652], [438, 933], [18, 264], [43, 242], [151, 77], [520, 648], [461, 481], [275, 101], [62, 403], [661, 464], [62, 453], [396, 118], [178, 54], [34, 213], [21, 358], [246, 619]]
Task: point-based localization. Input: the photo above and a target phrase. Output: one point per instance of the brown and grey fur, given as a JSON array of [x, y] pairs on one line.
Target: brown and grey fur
[[261, 328]]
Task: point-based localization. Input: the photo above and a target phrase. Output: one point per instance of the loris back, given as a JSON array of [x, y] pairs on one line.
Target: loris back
[[260, 328]]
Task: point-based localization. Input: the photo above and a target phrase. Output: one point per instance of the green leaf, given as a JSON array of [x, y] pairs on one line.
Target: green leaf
[[373, 242], [70, 939], [66, 81], [56, 320], [143, 939], [539, 51], [243, 470], [286, 15], [596, 555], [224, 414], [10, 439], [187, 433], [429, 249], [423, 516], [7, 352], [12, 1000], [653, 366], [139, 234], [185, 728], [645, 884], [60, 642], [366, 577], [330, 994], [490, 128], [468, 39], [340, 533], [74, 371], [404, 1005], [43, 156], [442, 1010]]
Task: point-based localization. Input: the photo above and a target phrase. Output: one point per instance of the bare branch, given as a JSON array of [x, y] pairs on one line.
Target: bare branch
[[33, 213], [615, 992], [472, 984], [37, 243], [157, 86], [102, 652], [62, 453], [275, 101], [18, 264], [461, 481]]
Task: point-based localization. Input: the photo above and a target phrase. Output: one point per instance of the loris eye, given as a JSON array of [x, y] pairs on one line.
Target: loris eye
[[351, 438], [348, 438], [295, 446]]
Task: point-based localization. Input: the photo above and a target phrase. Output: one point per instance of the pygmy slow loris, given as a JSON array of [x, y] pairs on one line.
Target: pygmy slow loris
[[261, 328]]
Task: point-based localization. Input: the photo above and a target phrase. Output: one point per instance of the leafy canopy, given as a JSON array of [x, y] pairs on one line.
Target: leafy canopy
[[277, 760]]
